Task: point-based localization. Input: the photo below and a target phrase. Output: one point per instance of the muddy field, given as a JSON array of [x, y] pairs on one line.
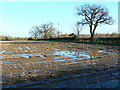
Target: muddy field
[[47, 64]]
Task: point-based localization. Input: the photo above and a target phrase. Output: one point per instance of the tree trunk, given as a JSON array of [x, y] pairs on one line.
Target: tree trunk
[[35, 38], [92, 33], [92, 37]]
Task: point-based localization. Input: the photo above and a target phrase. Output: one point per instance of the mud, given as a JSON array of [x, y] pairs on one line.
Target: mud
[[30, 62]]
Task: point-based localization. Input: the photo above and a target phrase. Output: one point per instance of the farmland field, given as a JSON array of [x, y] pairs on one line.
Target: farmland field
[[45, 64]]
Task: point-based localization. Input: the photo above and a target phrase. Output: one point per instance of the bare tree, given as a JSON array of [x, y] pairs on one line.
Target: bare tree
[[47, 30], [44, 30], [93, 15], [34, 32], [78, 28], [58, 33]]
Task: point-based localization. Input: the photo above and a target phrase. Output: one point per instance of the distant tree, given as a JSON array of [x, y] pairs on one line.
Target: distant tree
[[58, 33], [5, 37], [35, 32], [48, 30], [44, 30], [93, 15], [78, 28]]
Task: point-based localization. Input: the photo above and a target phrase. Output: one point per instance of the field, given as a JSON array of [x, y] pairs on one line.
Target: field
[[48, 64]]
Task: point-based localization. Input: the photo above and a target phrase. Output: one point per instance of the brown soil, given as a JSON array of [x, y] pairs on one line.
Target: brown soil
[[21, 69]]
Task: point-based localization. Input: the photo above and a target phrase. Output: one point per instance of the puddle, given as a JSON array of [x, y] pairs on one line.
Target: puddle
[[2, 52], [36, 54], [56, 49], [10, 52], [16, 51], [64, 60], [104, 51], [22, 55], [63, 54], [43, 62], [36, 71], [70, 63], [93, 60], [28, 48], [93, 63], [20, 48], [3, 62], [75, 55]]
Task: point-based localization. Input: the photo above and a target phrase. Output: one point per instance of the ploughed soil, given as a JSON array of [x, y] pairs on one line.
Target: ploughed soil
[[58, 63]]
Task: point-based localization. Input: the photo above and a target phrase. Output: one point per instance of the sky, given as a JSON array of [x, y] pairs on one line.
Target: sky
[[17, 18]]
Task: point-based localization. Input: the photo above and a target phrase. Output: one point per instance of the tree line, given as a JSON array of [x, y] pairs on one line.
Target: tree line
[[91, 15], [44, 31]]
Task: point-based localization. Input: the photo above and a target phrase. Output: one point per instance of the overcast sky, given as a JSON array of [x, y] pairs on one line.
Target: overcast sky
[[17, 18]]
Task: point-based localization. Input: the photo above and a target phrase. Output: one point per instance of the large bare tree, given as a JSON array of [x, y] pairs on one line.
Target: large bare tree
[[93, 15]]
